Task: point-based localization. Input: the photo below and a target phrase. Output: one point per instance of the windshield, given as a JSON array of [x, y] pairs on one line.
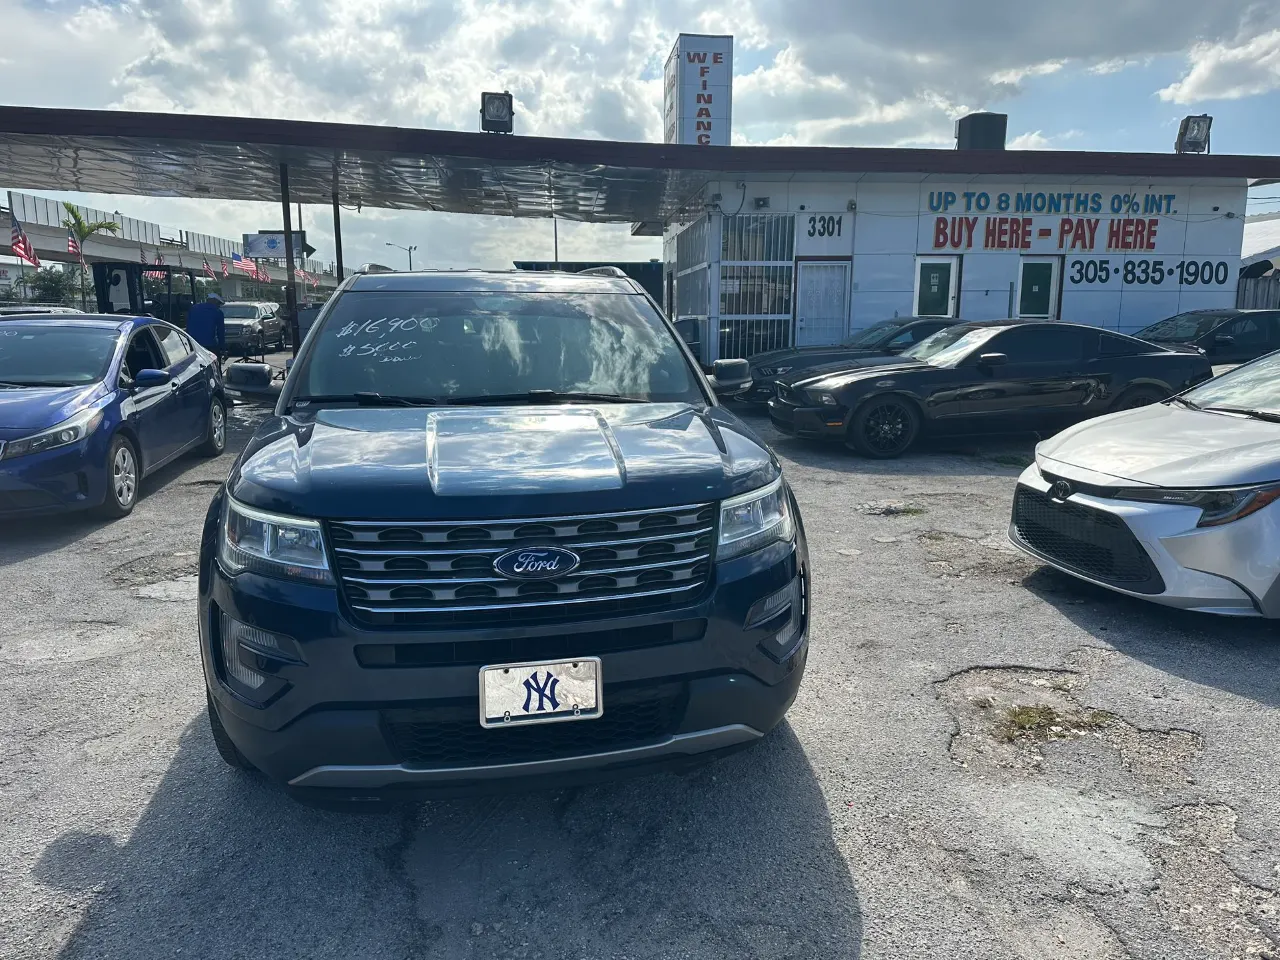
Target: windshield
[[240, 311], [1183, 327], [1255, 386], [874, 333], [39, 356], [451, 346], [948, 347]]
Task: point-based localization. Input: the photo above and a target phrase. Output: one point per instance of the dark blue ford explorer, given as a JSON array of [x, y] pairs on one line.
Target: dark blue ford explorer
[[498, 530]]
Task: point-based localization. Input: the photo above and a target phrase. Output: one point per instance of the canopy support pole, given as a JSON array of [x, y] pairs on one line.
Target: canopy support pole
[[291, 287], [337, 234]]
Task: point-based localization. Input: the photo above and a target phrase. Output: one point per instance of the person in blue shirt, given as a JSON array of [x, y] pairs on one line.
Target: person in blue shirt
[[207, 325]]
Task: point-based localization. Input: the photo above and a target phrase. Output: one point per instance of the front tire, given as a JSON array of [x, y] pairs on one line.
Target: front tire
[[884, 427], [215, 440], [1136, 397], [123, 477], [227, 750]]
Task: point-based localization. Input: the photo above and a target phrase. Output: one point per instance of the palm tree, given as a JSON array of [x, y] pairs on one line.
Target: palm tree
[[83, 230]]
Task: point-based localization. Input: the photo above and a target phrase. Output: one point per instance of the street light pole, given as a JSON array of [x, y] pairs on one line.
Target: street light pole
[[409, 250]]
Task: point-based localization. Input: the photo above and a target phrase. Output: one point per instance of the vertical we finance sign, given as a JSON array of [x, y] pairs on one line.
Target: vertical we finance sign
[[697, 98]]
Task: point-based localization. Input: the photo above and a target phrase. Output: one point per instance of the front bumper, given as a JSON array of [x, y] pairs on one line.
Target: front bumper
[[73, 477], [813, 423], [339, 724], [1231, 570]]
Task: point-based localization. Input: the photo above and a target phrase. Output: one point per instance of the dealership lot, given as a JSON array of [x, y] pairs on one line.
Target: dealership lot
[[986, 760]]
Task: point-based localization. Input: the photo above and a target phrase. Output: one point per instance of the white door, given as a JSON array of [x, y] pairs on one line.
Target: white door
[[822, 302]]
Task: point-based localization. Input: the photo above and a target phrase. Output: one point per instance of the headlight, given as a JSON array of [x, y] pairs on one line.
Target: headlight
[[1216, 506], [754, 520], [826, 399], [68, 431], [272, 545]]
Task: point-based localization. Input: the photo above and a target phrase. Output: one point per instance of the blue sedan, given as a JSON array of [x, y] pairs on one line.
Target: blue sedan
[[89, 405]]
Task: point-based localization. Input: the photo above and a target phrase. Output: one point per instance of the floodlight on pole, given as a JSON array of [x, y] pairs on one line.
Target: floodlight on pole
[[1193, 134], [497, 112]]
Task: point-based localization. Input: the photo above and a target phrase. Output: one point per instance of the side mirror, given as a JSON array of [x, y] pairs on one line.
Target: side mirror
[[992, 360], [1223, 340], [146, 379], [730, 376]]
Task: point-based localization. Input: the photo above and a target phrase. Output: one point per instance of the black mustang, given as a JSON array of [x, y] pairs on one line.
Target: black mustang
[[884, 339], [999, 376]]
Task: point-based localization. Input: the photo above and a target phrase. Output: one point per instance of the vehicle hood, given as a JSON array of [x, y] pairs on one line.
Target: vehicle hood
[[1168, 445], [29, 410], [801, 359], [487, 462], [833, 376]]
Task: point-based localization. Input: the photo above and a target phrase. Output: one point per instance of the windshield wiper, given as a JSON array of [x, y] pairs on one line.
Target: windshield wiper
[[1269, 415], [368, 398], [543, 396], [1186, 403], [36, 383]]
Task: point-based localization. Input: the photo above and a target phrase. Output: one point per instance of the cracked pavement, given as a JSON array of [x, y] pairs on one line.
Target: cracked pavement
[[987, 760]]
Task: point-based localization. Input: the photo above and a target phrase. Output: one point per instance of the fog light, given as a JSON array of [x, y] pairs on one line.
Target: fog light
[[783, 612], [236, 635]]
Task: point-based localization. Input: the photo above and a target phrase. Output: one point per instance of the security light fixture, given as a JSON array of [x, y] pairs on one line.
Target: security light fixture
[[1193, 134], [496, 112]]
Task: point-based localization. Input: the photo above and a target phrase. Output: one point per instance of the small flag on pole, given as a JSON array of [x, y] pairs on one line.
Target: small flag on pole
[[21, 244], [226, 270], [73, 247], [208, 270]]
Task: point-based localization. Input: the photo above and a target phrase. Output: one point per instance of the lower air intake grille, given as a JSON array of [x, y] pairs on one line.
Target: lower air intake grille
[[1091, 542], [453, 737]]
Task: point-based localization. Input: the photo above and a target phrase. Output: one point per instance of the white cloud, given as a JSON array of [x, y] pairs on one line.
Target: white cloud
[[1036, 140], [1226, 71]]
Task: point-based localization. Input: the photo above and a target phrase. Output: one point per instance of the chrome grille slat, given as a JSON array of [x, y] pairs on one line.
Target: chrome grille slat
[[509, 606], [417, 568], [581, 573]]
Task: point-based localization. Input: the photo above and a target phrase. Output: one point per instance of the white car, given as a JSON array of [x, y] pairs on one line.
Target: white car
[[1172, 502]]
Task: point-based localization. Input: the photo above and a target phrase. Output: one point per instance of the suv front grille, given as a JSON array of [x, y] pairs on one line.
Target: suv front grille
[[450, 736], [1092, 542], [438, 572]]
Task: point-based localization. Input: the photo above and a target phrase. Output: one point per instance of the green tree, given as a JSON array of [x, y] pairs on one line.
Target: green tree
[[83, 230], [50, 285]]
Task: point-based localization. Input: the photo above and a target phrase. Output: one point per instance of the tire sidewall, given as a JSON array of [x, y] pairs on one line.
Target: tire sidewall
[[211, 447], [1125, 400], [111, 504], [858, 424]]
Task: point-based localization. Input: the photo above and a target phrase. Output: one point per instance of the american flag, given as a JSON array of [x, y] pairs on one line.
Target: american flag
[[226, 270], [242, 263], [208, 270], [20, 245], [73, 247], [157, 274]]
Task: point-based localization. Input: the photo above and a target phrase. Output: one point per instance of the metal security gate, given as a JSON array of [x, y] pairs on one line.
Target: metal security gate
[[822, 302]]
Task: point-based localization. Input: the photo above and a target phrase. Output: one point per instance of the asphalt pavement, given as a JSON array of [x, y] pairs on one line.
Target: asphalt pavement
[[986, 760]]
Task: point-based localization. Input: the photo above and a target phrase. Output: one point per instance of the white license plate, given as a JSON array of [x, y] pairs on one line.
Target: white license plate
[[512, 694]]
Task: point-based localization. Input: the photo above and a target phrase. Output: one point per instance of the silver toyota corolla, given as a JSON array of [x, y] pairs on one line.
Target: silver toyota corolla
[[1173, 502]]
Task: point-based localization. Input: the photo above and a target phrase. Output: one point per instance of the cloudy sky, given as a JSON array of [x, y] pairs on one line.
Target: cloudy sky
[[1091, 74]]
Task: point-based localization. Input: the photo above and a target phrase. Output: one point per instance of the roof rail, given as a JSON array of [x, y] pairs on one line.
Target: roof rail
[[603, 272], [375, 268]]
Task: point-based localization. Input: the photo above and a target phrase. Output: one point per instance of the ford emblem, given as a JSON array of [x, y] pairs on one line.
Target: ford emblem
[[536, 563]]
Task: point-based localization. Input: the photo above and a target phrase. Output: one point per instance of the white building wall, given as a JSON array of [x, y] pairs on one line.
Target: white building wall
[[892, 224]]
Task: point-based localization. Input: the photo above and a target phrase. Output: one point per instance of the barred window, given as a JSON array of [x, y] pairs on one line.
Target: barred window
[[758, 237], [755, 291], [692, 294], [692, 246]]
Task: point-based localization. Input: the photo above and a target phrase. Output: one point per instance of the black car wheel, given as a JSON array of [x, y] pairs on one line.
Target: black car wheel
[[123, 476], [1138, 397], [884, 427]]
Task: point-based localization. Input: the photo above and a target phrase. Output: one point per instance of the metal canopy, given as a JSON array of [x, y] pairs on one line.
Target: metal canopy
[[237, 158]]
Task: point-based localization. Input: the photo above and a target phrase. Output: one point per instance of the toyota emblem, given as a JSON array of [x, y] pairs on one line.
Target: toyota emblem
[[1061, 490]]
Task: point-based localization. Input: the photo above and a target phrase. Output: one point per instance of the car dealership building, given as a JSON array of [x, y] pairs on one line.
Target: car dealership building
[[805, 256]]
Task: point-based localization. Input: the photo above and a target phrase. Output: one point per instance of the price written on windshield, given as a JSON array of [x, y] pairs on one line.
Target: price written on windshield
[[1188, 273]]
